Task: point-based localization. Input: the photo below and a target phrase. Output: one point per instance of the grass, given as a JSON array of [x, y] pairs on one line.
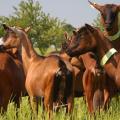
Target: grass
[[79, 112]]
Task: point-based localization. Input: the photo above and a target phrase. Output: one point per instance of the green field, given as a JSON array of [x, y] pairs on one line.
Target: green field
[[79, 113]]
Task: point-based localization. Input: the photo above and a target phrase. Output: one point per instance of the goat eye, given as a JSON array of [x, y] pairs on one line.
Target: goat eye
[[102, 14]]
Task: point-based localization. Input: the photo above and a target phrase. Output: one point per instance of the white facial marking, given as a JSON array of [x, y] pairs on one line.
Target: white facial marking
[[1, 41]]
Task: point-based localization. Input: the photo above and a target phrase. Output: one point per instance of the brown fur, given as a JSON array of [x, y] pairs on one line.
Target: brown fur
[[11, 80], [15, 52], [46, 77], [84, 67], [109, 20], [90, 42], [77, 66], [91, 81]]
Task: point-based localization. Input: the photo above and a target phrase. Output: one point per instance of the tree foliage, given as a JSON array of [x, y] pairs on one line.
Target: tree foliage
[[97, 23], [46, 30]]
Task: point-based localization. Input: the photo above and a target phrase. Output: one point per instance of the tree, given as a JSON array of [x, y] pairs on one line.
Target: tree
[[69, 28], [46, 30]]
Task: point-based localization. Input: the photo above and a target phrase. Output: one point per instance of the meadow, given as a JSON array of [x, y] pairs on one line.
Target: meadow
[[79, 112]]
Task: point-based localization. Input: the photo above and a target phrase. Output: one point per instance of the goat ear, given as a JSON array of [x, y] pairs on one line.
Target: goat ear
[[27, 29], [89, 27], [94, 5]]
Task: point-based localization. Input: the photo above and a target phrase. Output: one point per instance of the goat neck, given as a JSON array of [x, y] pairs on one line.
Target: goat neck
[[28, 53]]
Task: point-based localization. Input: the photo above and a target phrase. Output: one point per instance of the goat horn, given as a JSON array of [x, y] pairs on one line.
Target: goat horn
[[95, 5]]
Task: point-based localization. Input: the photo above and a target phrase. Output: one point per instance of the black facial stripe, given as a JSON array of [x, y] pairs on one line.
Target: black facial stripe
[[110, 16]]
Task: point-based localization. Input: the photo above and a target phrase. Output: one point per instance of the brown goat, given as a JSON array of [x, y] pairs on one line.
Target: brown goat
[[46, 77], [110, 21], [11, 80], [86, 77], [93, 40], [110, 18], [15, 52]]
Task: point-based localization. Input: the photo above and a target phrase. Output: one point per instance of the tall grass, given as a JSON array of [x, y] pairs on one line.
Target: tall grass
[[79, 112]]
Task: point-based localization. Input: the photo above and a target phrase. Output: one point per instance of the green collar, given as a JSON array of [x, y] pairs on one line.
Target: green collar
[[114, 37], [107, 56]]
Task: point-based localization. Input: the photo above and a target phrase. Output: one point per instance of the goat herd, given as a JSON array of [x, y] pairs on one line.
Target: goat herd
[[87, 65]]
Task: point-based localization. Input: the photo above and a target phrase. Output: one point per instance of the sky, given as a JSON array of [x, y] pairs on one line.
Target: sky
[[75, 12]]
